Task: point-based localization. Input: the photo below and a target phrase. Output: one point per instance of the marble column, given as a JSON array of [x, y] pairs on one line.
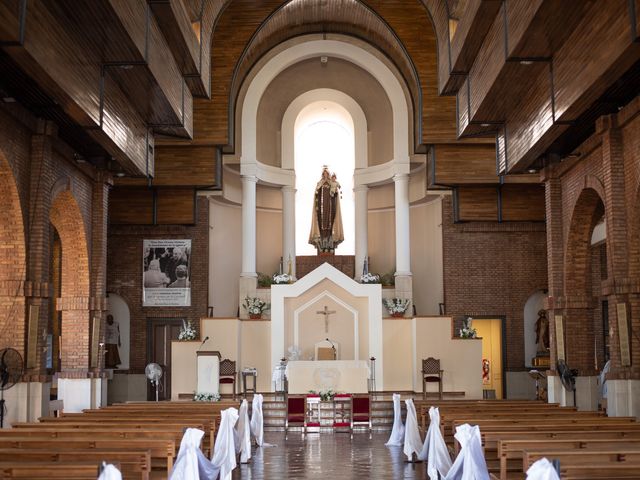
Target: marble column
[[362, 226], [403, 242], [288, 229], [249, 226]]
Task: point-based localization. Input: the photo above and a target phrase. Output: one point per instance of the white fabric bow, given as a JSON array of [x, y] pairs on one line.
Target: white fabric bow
[[470, 463], [110, 472], [397, 432], [224, 449], [191, 462], [412, 440], [542, 470], [434, 449], [257, 421]]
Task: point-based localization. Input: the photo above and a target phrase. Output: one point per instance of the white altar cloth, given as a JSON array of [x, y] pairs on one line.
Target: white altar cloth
[[348, 376]]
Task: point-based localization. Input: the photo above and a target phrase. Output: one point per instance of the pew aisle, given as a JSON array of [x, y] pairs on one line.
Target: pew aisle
[[141, 439], [515, 434]]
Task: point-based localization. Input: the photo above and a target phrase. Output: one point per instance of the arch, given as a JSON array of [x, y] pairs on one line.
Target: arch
[[250, 165], [587, 210], [13, 271], [66, 218], [329, 94]]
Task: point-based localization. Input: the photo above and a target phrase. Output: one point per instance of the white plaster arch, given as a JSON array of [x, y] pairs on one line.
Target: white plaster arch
[[250, 165], [346, 306], [331, 95]]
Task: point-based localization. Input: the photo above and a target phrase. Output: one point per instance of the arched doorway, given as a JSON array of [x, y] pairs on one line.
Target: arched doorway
[[12, 263], [66, 219]]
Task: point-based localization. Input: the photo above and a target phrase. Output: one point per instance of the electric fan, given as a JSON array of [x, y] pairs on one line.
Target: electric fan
[[153, 371], [567, 377], [11, 369]]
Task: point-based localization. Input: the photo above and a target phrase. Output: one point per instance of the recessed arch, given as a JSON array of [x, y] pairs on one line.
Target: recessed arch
[[13, 271], [66, 218], [250, 164]]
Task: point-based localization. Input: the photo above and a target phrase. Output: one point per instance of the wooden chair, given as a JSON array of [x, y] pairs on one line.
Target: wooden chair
[[296, 413], [228, 373], [431, 373], [361, 412]]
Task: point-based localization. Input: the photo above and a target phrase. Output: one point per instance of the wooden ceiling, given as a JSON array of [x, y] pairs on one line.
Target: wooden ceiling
[[529, 76]]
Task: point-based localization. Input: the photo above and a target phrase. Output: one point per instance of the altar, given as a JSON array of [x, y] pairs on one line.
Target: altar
[[349, 376]]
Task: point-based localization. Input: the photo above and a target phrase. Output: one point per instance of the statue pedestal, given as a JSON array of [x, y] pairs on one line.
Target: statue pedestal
[[307, 263]]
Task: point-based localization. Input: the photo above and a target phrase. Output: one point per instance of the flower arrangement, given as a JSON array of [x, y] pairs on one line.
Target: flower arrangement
[[187, 332], [325, 395], [281, 279], [206, 397], [467, 331], [370, 278], [255, 306], [396, 306]]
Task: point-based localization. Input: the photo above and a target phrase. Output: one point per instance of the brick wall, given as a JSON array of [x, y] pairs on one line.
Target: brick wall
[[491, 269], [37, 172], [603, 179], [124, 275]]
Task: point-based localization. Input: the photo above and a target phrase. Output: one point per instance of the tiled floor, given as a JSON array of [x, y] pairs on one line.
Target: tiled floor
[[329, 457]]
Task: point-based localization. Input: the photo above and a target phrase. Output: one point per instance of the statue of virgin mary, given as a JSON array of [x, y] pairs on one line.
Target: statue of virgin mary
[[326, 220]]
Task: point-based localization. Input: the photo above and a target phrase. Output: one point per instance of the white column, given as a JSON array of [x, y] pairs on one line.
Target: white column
[[362, 226], [289, 228], [249, 225], [403, 242]]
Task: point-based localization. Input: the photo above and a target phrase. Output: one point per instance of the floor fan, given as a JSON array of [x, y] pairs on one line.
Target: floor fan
[[568, 378], [153, 371], [10, 373]]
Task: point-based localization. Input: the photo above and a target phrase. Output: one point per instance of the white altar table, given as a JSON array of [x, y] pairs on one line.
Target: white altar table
[[349, 376]]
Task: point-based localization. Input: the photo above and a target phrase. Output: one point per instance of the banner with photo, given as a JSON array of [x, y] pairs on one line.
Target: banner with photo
[[166, 277]]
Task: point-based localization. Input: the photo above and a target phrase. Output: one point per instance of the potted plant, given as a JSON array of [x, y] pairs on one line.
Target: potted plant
[[187, 332], [396, 306], [255, 306], [467, 331], [370, 278], [264, 280], [206, 397], [281, 279]]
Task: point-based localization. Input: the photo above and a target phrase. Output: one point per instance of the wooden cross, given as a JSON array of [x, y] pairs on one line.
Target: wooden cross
[[326, 312]]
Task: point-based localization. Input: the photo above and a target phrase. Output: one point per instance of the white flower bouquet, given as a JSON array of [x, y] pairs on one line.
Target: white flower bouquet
[[325, 395], [467, 331], [206, 397], [255, 306], [396, 306], [281, 279], [370, 278], [187, 332]]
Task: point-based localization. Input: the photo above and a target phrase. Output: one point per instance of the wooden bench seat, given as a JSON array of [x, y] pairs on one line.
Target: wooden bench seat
[[162, 451], [48, 470], [133, 464]]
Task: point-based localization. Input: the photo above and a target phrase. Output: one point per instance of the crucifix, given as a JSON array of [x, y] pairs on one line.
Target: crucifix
[[326, 312]]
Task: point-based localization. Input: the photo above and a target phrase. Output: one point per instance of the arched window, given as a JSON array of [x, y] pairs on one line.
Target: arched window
[[324, 135]]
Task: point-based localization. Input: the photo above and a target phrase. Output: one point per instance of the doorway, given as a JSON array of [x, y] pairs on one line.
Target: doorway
[[160, 333], [490, 330]]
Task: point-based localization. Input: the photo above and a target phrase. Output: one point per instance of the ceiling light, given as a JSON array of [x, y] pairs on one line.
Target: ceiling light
[[525, 62], [121, 174], [532, 170], [485, 125]]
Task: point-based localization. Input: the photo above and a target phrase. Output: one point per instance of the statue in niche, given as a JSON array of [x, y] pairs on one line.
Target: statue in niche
[[542, 334], [326, 220]]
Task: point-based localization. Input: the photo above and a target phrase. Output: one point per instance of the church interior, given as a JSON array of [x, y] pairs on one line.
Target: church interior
[[327, 200]]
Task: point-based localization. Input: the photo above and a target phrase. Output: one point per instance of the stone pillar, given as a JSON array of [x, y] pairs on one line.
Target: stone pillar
[[249, 225], [362, 227], [288, 228], [403, 244]]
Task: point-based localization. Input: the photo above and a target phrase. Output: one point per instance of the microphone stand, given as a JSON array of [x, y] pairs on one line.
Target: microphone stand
[[333, 347], [202, 344]]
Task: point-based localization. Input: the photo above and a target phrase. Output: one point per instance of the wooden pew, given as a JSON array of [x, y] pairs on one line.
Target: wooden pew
[[608, 472], [133, 464], [48, 470], [516, 449], [161, 451], [596, 456]]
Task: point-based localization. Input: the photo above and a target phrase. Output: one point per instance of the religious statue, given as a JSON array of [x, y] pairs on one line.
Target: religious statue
[[326, 220], [542, 333]]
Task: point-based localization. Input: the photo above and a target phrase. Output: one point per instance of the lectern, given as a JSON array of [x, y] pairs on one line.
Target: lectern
[[208, 378]]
